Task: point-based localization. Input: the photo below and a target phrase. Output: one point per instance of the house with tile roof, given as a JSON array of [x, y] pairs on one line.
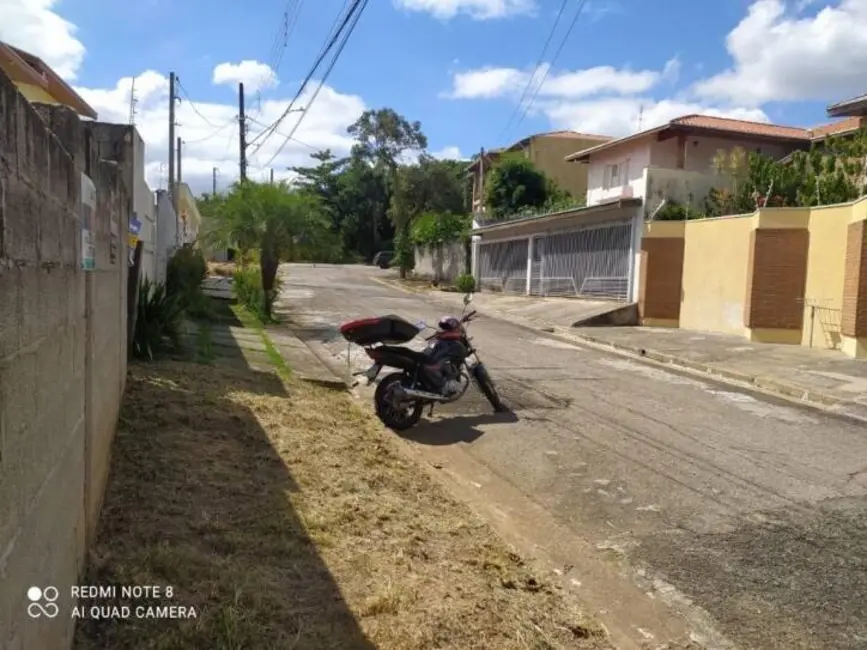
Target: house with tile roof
[[547, 151], [675, 161], [594, 251], [38, 82]]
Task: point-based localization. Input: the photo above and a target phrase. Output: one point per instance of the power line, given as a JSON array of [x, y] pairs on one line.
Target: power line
[[325, 45], [536, 67], [553, 60], [213, 133], [349, 15], [192, 105], [283, 135], [345, 40]]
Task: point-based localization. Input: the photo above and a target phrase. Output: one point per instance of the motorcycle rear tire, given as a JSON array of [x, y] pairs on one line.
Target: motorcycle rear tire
[[387, 413]]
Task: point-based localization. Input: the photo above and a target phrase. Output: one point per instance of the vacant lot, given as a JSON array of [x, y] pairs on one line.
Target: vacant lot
[[288, 518]]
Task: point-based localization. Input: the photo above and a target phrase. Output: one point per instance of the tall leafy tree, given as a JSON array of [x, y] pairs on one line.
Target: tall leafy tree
[[383, 137]]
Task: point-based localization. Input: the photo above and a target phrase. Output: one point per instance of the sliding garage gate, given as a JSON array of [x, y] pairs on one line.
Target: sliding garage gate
[[503, 266], [591, 261]]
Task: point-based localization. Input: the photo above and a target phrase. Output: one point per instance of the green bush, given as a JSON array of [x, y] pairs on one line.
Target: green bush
[[465, 283], [247, 284], [158, 320], [184, 275]]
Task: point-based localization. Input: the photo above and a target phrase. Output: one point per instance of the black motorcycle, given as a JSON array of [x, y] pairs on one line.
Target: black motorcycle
[[438, 375]]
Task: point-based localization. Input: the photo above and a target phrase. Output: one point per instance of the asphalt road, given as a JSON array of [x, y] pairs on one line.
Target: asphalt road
[[737, 505]]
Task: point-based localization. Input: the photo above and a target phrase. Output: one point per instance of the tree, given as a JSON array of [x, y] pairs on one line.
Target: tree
[[514, 185], [429, 186], [323, 180], [383, 136], [281, 223]]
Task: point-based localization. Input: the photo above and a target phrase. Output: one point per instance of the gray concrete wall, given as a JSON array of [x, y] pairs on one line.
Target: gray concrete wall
[[62, 358], [443, 263], [123, 144], [167, 232]]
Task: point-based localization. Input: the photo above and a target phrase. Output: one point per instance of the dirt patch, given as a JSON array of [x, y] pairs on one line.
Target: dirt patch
[[221, 269], [290, 519]]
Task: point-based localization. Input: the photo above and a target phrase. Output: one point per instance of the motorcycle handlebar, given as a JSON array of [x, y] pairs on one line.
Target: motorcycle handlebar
[[469, 316]]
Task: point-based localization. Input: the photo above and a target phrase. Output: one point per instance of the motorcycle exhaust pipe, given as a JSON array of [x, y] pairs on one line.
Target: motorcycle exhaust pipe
[[411, 393]]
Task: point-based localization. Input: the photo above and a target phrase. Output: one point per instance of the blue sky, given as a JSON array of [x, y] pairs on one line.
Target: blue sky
[[458, 66]]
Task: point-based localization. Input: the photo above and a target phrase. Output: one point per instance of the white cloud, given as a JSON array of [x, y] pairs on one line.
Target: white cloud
[[620, 116], [210, 130], [449, 153], [254, 75], [32, 25], [780, 54], [491, 82], [602, 100], [476, 9]]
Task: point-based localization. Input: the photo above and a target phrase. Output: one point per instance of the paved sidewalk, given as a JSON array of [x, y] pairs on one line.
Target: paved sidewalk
[[824, 378]]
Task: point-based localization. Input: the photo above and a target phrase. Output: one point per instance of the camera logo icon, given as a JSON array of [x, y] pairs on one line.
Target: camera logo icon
[[42, 602]]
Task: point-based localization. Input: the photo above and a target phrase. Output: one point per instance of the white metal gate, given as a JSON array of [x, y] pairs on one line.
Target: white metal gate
[[593, 261], [503, 266]]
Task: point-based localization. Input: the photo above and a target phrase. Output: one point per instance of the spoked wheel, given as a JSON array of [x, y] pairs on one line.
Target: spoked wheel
[[399, 418]]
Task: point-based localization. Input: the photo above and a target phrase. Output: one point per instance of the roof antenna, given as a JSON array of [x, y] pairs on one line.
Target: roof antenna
[[640, 115]]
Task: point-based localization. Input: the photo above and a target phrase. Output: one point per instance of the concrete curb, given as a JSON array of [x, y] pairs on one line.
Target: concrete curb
[[783, 389], [766, 384], [321, 374]]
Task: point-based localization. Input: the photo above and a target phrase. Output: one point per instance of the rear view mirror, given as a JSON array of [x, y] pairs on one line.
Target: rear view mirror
[[468, 298]]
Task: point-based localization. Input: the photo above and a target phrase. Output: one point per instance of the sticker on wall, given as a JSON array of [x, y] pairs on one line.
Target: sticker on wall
[[133, 237], [88, 210]]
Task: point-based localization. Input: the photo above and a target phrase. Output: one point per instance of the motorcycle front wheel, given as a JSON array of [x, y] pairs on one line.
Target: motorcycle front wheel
[[486, 385], [396, 418]]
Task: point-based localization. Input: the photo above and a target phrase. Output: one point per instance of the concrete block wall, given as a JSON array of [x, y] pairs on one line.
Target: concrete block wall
[[443, 263], [62, 360]]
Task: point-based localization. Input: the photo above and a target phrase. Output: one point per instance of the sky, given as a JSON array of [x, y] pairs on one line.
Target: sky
[[475, 73]]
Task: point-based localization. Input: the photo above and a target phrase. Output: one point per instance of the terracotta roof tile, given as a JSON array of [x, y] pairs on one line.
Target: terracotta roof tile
[[841, 126], [741, 126], [575, 135]]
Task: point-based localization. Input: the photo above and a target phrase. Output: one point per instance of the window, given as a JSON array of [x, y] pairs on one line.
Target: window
[[614, 176]]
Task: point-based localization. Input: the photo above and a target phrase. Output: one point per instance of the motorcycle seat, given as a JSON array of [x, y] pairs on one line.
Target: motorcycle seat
[[420, 357]]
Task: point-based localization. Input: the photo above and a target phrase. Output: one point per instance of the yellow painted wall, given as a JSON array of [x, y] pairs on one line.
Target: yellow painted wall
[[548, 153], [715, 266], [35, 93], [716, 263], [826, 263]]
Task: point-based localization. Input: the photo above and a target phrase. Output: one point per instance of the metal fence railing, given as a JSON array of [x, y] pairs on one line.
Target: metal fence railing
[[593, 261], [503, 266]]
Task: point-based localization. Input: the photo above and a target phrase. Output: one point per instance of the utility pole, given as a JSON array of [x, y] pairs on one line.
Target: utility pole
[[171, 185], [242, 133], [180, 144], [272, 176], [132, 103], [214, 182]]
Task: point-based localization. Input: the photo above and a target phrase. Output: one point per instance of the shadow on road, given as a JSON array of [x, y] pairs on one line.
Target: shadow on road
[[452, 430]]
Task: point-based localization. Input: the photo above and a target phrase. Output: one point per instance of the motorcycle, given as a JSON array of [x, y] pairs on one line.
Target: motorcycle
[[440, 374]]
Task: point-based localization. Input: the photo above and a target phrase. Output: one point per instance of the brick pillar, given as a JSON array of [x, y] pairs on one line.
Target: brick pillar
[[661, 274], [776, 282], [853, 324]]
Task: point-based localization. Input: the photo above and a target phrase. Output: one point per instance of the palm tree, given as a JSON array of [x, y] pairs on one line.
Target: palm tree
[[276, 220]]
